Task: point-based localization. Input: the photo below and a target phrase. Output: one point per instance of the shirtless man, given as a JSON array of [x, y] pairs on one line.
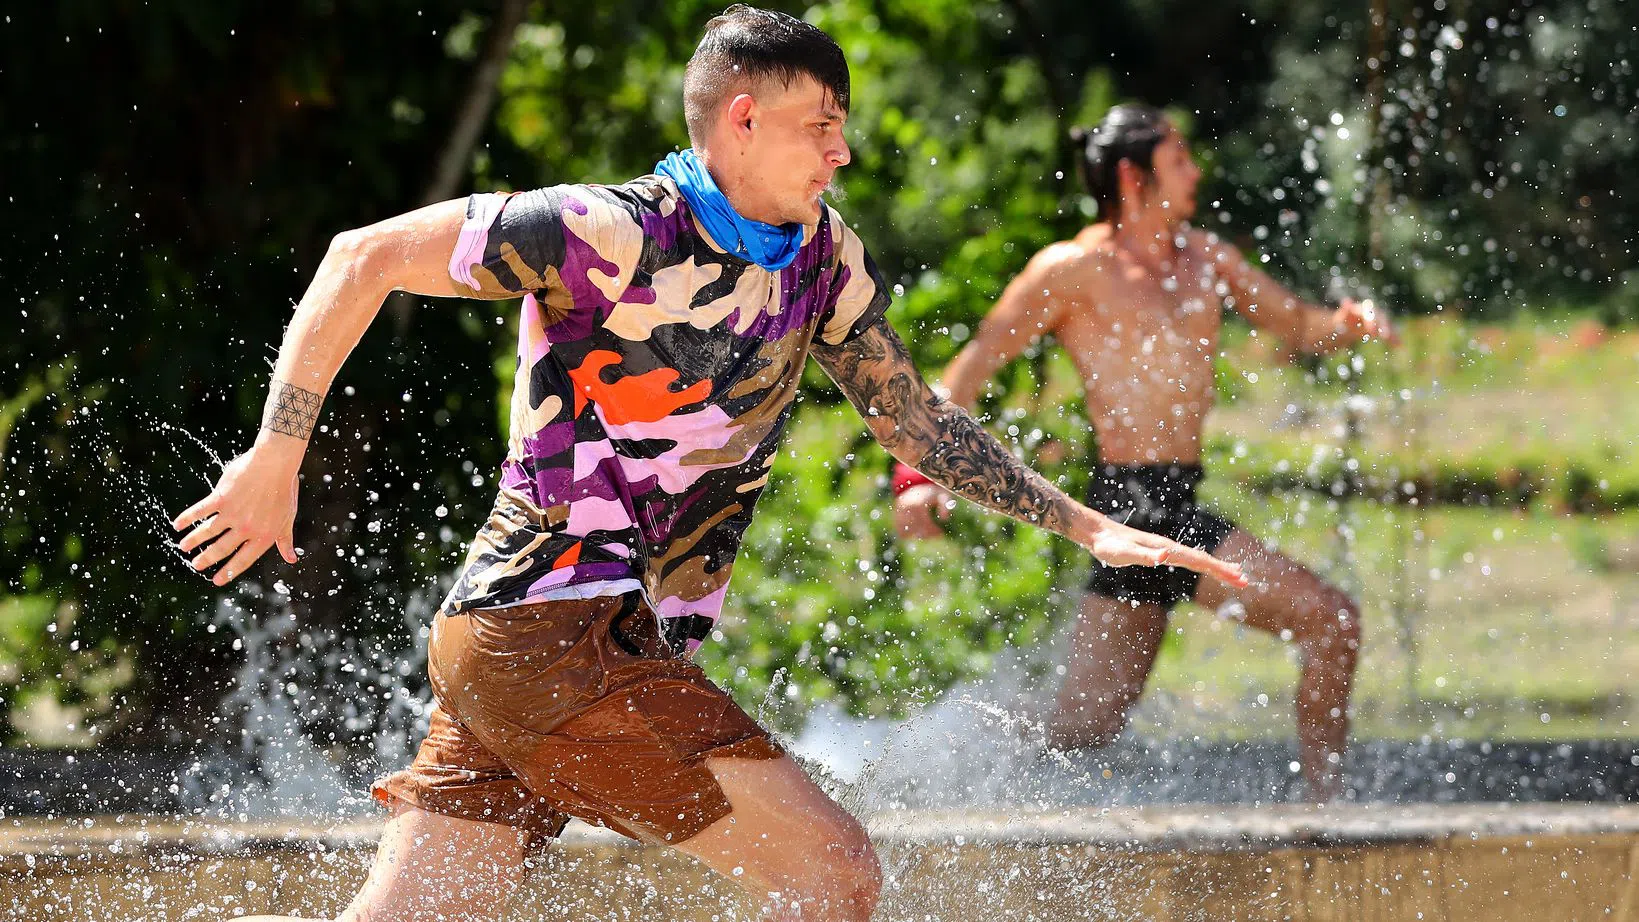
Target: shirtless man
[[664, 328], [1136, 299]]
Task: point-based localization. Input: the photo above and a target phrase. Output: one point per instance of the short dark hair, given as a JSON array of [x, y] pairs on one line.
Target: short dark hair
[[747, 44], [1130, 131]]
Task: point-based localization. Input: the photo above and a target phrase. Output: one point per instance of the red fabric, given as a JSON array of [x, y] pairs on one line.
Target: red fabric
[[905, 477]]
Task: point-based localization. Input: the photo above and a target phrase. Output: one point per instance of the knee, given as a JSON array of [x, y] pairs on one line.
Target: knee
[[1336, 633], [858, 878], [846, 883]]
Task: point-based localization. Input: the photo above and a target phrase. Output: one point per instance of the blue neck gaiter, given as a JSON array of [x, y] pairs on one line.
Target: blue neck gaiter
[[770, 246]]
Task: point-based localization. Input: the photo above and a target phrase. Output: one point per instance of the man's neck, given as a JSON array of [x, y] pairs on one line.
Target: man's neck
[[1148, 235], [740, 192]]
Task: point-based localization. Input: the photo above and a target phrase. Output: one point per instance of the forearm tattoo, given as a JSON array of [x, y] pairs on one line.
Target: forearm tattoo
[[292, 410], [877, 374]]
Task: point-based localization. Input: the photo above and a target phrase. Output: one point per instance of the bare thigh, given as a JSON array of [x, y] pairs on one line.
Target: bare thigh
[[1112, 651], [434, 867], [1282, 596], [786, 837]]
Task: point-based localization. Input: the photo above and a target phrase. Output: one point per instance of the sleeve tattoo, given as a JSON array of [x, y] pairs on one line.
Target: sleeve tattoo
[[936, 436], [292, 410]]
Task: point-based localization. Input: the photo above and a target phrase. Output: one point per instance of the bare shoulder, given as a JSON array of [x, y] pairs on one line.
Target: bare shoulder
[[1204, 242], [1077, 262], [1209, 246]]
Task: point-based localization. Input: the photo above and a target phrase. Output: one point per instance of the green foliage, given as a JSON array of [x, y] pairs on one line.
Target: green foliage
[[175, 170], [1495, 179]]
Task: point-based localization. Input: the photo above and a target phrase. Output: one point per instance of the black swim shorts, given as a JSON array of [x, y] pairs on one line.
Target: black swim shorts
[[1160, 499]]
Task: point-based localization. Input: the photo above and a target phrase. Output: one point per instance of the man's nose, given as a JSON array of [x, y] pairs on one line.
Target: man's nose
[[840, 155]]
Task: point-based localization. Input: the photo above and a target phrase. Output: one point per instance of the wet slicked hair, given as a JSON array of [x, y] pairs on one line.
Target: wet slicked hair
[[1130, 131], [746, 45]]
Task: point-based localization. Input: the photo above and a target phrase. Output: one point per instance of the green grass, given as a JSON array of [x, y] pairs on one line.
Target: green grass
[[1500, 617]]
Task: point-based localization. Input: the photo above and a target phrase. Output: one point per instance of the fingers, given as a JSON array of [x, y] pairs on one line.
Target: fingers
[[200, 510], [203, 532], [240, 562], [238, 522], [1132, 546], [1201, 562], [287, 548], [227, 544], [219, 550]]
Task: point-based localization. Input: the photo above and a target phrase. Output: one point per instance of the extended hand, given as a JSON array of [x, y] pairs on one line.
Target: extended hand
[[1122, 546], [1364, 320], [252, 508], [918, 511]]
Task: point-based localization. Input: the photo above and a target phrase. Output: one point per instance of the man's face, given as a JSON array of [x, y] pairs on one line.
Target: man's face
[[1173, 178], [795, 148]]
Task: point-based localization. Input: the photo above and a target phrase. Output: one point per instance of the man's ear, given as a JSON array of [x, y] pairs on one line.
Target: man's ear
[[742, 115], [1130, 177], [1127, 174]]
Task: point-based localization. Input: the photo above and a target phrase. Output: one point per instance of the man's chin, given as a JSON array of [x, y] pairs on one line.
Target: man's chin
[[810, 215]]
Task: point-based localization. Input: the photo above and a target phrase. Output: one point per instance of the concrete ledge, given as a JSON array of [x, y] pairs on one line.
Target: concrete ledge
[[1210, 828], [1204, 828]]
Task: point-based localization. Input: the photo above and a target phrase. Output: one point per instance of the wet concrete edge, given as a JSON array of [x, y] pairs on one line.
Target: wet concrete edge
[[27, 843]]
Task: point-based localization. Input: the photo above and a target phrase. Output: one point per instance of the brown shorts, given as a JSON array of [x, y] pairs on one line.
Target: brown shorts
[[572, 709]]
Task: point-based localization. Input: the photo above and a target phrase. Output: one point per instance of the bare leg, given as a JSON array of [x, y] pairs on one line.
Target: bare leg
[[432, 867], [1111, 654], [1287, 600], [786, 839]]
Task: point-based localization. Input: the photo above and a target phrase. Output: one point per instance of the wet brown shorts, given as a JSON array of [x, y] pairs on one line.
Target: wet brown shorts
[[572, 709]]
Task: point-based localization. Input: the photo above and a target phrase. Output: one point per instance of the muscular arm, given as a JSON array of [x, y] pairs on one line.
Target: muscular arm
[[408, 253], [940, 439], [1269, 306], [1030, 308]]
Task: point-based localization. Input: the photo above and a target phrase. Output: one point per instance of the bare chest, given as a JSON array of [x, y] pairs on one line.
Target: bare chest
[[1149, 330]]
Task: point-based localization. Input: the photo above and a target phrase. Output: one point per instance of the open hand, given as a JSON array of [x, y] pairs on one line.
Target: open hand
[[1364, 320], [1123, 546], [252, 508], [918, 511]]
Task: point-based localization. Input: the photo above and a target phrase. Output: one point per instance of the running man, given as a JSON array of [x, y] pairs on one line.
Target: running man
[[664, 328], [1137, 300]]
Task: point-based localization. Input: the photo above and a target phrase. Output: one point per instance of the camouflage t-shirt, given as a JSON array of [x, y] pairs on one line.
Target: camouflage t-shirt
[[655, 376]]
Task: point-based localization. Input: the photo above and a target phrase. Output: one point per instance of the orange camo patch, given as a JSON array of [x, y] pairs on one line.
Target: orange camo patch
[[644, 398], [570, 557]]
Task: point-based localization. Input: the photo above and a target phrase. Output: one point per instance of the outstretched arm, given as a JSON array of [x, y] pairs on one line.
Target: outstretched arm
[[942, 441], [253, 505], [1269, 306]]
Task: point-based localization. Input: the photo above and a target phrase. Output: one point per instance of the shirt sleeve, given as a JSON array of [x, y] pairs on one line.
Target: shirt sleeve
[[859, 297], [546, 239], [510, 243]]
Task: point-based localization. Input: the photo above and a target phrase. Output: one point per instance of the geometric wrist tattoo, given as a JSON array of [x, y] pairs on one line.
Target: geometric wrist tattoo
[[292, 410]]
